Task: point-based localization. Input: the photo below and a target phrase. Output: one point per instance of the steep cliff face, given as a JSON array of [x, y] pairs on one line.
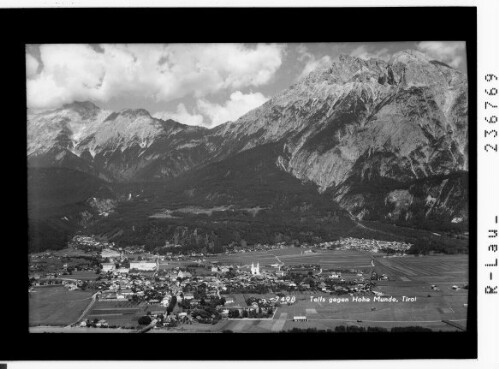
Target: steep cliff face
[[366, 124], [378, 137], [403, 120]]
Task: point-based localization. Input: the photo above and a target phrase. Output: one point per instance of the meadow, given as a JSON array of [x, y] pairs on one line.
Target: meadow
[[83, 275], [117, 313], [56, 305], [431, 269], [327, 259]]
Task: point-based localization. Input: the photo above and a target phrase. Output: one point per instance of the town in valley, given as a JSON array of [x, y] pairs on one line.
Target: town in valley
[[345, 285]]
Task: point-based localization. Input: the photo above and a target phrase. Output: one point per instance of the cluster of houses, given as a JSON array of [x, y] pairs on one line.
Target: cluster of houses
[[370, 245], [379, 277], [51, 270], [215, 285], [81, 241], [350, 243], [253, 307], [256, 248]]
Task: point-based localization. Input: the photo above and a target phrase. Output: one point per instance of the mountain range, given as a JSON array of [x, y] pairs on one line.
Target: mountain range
[[371, 140]]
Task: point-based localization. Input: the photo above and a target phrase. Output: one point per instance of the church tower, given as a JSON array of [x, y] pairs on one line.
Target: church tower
[[255, 270]]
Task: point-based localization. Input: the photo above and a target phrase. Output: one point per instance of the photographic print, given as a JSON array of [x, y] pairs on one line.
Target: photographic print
[[248, 188]]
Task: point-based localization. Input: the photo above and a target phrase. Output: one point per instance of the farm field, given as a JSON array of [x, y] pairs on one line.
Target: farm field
[[328, 259], [425, 312], [332, 259], [72, 252], [262, 257], [56, 305], [83, 276], [117, 313], [430, 269], [52, 329]]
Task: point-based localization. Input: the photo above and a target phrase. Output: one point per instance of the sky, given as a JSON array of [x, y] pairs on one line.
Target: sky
[[196, 84]]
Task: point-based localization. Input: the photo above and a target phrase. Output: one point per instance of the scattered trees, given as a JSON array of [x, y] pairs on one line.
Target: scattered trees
[[145, 320]]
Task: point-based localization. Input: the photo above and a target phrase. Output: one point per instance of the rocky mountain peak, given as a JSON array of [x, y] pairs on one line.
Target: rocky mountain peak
[[405, 68], [413, 68], [409, 55], [347, 68]]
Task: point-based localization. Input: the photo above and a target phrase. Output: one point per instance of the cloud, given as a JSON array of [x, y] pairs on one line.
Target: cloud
[[31, 66], [366, 53], [210, 114], [237, 105], [159, 72], [311, 62], [451, 53], [182, 116]]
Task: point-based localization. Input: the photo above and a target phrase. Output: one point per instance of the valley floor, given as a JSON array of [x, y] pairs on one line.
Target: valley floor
[[410, 278]]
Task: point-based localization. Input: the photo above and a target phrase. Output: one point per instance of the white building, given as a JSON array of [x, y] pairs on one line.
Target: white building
[[255, 270], [143, 265], [108, 253], [108, 267], [183, 274], [300, 318]]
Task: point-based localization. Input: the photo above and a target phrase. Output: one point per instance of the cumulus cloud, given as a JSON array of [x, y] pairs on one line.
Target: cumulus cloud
[[311, 62], [237, 105], [160, 72], [366, 53], [210, 114], [31, 65], [451, 53]]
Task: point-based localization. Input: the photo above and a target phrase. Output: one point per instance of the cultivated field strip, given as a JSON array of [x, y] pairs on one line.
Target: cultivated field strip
[[448, 267], [294, 256]]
